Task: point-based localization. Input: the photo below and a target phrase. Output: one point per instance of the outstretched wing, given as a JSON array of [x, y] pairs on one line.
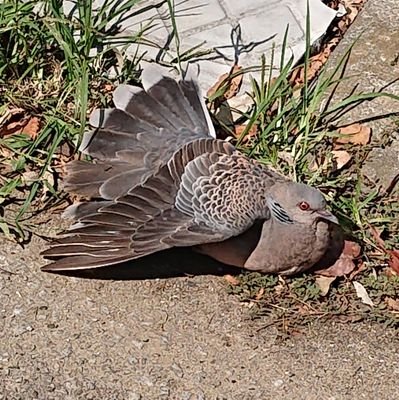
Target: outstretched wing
[[146, 219]]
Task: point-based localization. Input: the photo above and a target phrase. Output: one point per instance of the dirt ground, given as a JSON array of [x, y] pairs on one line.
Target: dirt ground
[[177, 338], [151, 334]]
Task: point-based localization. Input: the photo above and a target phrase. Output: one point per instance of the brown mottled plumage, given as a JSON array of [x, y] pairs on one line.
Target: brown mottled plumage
[[160, 179]]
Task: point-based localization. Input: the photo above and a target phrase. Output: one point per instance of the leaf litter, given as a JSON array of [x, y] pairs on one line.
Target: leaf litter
[[356, 134], [361, 292]]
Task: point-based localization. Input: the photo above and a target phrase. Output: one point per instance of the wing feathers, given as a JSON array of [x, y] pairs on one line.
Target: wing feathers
[[144, 147], [140, 135], [137, 102]]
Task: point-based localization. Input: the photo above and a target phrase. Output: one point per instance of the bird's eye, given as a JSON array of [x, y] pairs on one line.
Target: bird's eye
[[303, 205]]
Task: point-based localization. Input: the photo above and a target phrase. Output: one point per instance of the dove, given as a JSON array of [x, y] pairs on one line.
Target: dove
[[160, 179]]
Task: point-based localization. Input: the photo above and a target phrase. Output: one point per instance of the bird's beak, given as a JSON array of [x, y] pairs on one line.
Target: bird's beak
[[327, 216]]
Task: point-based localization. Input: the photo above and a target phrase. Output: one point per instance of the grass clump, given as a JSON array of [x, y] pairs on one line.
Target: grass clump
[[293, 125], [55, 67]]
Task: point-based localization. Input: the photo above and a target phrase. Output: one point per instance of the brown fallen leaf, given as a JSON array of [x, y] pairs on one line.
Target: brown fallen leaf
[[334, 4], [239, 129], [377, 236], [231, 81], [352, 8], [298, 77], [393, 260], [344, 265], [393, 304], [13, 128], [340, 158], [324, 283], [109, 87], [15, 121], [9, 113], [232, 280], [12, 121], [353, 134], [32, 127]]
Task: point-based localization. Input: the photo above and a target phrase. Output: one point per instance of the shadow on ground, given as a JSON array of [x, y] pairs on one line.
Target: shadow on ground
[[166, 264]]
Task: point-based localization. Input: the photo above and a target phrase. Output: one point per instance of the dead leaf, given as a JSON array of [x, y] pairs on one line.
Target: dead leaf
[[239, 129], [13, 128], [344, 265], [109, 87], [347, 12], [9, 113], [393, 304], [12, 121], [232, 280], [340, 158], [15, 121], [353, 134], [333, 4], [324, 283], [377, 236], [315, 63], [361, 292], [32, 127], [231, 84], [393, 260], [352, 249]]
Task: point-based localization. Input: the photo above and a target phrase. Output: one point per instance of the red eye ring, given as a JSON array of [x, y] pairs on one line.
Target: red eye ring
[[303, 206]]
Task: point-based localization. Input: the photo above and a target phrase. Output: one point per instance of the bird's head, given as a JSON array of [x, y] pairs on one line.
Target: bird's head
[[291, 202]]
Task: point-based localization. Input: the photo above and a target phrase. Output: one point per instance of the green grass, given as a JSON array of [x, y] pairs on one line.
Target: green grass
[[56, 67]]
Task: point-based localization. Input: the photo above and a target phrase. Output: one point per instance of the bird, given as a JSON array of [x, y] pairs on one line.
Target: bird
[[159, 178]]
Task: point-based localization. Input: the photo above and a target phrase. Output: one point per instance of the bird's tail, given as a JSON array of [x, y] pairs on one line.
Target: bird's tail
[[133, 140]]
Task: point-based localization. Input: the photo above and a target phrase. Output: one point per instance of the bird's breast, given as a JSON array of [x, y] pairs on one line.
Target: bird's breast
[[289, 249]]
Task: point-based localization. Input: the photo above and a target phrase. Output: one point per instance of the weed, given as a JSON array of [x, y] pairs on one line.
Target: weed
[[293, 303], [296, 125]]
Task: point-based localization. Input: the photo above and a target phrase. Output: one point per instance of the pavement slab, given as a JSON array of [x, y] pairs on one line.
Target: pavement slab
[[228, 31]]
